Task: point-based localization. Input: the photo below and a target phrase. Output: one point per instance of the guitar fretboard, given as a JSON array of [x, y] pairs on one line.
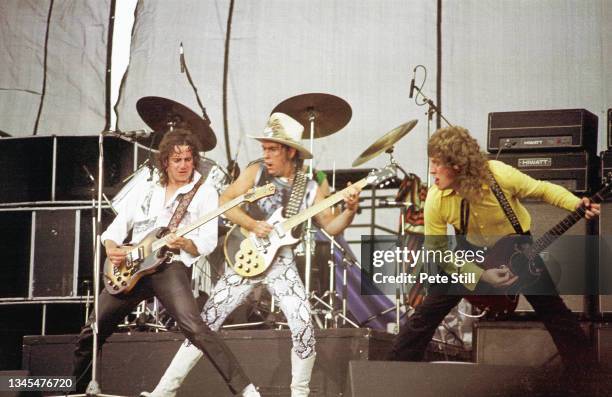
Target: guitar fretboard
[[560, 228]]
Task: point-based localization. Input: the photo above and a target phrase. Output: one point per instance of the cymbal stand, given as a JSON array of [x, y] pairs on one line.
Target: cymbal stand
[[331, 292], [308, 232], [347, 261], [399, 293]]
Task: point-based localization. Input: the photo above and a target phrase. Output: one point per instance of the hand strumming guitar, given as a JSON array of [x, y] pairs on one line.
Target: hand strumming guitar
[[261, 228], [499, 277], [116, 255]]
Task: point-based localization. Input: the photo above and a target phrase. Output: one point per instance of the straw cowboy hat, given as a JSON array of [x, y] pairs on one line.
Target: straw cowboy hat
[[285, 130]]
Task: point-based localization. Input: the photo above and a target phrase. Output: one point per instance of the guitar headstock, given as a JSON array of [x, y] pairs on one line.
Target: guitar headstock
[[257, 193], [378, 176]]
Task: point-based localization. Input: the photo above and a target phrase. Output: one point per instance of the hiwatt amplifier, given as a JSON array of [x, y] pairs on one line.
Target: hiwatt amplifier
[[576, 171], [567, 129]]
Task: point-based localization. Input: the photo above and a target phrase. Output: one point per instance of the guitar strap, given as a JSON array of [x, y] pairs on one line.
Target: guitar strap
[[503, 202], [296, 197], [181, 208]]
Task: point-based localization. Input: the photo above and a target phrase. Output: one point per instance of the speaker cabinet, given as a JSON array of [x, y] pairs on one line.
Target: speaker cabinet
[[605, 260], [401, 379], [27, 165], [609, 128], [516, 343], [40, 169], [48, 251], [263, 354], [603, 335], [13, 374], [15, 229], [569, 259]]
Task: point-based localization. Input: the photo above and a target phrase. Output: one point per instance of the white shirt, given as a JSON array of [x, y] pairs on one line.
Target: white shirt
[[144, 210]]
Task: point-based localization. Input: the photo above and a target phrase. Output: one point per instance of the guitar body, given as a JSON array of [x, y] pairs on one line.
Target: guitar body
[[249, 255], [140, 261], [508, 252]]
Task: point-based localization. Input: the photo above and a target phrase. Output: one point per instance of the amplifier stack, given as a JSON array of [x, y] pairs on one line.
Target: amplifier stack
[[559, 146]]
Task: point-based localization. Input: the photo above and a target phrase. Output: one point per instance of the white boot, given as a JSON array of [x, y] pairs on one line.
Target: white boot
[[301, 371], [184, 360], [250, 391]]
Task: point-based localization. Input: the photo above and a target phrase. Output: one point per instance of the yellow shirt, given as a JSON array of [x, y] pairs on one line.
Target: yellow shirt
[[487, 221]]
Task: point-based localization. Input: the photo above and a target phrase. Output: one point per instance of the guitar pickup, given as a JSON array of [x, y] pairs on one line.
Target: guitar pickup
[[278, 228]]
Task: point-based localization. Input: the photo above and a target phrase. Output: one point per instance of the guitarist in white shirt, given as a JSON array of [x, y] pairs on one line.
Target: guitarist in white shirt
[[282, 156], [152, 205]]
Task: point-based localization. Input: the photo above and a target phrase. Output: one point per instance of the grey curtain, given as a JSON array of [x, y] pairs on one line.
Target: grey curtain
[[61, 82]]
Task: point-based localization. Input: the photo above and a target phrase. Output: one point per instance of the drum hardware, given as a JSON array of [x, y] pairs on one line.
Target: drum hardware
[[146, 318], [386, 144], [331, 315], [321, 115]]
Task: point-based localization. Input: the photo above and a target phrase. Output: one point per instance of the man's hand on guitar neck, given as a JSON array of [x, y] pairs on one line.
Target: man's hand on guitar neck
[[499, 277], [178, 242], [592, 209]]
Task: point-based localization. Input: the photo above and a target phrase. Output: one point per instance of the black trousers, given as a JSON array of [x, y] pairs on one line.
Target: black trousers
[[572, 343], [171, 285]]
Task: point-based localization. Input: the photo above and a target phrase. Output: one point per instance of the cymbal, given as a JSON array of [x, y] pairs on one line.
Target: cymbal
[[384, 142], [159, 113], [331, 113]]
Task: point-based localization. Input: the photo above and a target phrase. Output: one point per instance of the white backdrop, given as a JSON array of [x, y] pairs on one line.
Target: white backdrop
[[526, 55], [362, 51]]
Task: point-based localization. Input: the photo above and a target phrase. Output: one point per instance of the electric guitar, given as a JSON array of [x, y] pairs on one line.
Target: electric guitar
[[250, 256], [519, 254], [146, 257]]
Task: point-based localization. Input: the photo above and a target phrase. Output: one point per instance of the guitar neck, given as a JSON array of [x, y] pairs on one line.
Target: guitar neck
[[322, 205], [211, 215], [560, 228]]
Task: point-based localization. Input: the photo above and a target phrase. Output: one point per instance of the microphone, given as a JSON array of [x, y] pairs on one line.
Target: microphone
[[89, 175], [182, 58], [412, 84]]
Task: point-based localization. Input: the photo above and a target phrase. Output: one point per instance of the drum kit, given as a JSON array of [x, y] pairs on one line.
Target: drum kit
[[321, 115]]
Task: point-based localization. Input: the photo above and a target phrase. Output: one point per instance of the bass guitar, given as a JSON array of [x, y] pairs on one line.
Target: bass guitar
[[250, 256], [146, 257], [522, 256]]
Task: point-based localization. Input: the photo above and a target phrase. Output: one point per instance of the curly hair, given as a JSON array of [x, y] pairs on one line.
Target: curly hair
[[455, 147], [172, 139]]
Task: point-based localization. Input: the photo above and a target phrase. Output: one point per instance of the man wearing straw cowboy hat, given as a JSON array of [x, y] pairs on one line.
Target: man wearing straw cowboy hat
[[282, 164]]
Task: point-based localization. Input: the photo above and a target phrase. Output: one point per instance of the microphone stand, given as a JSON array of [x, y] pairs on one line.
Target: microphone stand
[[185, 69], [432, 108], [93, 388]]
